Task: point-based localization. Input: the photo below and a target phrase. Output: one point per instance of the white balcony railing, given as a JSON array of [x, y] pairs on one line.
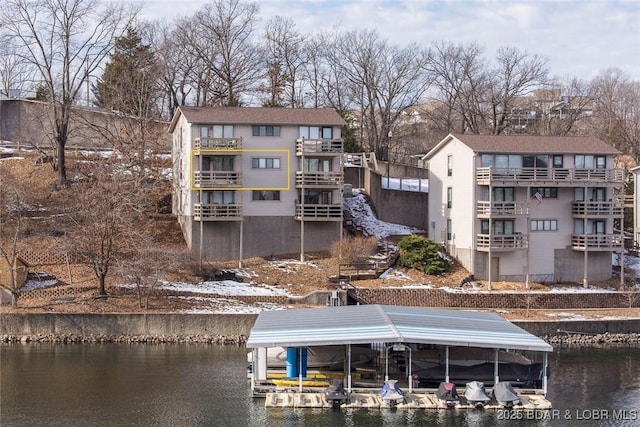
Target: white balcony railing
[[218, 143], [486, 209], [217, 212], [560, 175], [613, 208], [319, 146], [211, 179], [595, 242], [319, 212], [502, 242], [319, 179]]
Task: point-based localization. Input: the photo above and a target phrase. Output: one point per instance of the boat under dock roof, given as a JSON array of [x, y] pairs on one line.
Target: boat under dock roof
[[364, 324]]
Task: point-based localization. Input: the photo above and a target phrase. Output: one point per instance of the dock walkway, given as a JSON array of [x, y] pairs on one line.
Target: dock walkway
[[418, 400]]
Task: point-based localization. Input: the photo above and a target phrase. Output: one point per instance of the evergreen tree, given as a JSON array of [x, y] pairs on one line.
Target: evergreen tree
[[129, 82]]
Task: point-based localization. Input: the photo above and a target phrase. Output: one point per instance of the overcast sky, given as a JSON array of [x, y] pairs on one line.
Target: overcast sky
[[578, 37]]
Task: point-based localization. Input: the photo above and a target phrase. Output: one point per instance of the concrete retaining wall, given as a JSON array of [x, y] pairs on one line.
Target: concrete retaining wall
[[573, 327], [399, 207], [127, 324], [231, 325]]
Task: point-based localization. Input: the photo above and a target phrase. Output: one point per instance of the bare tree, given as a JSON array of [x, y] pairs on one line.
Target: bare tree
[[146, 268], [176, 62], [227, 26], [15, 72], [460, 77], [570, 103], [115, 193], [12, 204], [284, 50], [516, 74], [617, 110], [383, 80], [66, 41]]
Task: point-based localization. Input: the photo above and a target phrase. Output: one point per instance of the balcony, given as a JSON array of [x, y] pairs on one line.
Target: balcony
[[318, 212], [597, 242], [217, 179], [546, 176], [319, 179], [613, 208], [318, 146], [217, 212], [485, 209], [218, 143], [502, 242]]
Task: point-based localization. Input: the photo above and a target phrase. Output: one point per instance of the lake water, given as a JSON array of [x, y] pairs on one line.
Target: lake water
[[203, 385]]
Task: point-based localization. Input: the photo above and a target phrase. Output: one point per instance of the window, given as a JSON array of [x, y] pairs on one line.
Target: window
[[499, 226], [558, 161], [501, 160], [587, 161], [217, 163], [316, 165], [503, 194], [545, 192], [216, 131], [265, 163], [539, 161], [266, 130], [449, 165], [216, 197], [593, 227], [503, 227], [316, 132], [449, 197], [266, 195], [317, 197], [544, 225], [449, 232]]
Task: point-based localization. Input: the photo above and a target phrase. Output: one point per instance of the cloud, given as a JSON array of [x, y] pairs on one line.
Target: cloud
[[580, 38]]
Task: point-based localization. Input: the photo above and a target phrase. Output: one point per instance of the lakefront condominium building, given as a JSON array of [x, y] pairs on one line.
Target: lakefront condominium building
[[257, 181], [520, 208]]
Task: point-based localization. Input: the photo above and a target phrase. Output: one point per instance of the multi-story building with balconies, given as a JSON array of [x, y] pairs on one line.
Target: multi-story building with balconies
[[520, 208], [257, 181]]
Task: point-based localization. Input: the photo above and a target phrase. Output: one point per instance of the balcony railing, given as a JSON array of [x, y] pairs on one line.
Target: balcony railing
[[612, 208], [209, 179], [318, 212], [216, 212], [596, 242], [530, 175], [318, 146], [502, 242], [218, 143], [319, 179], [485, 209]]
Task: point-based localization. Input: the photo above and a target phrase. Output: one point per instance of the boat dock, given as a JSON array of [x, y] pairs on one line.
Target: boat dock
[[421, 399]]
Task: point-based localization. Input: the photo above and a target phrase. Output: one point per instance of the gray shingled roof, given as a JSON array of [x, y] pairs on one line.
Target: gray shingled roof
[[260, 116], [522, 144], [363, 324]]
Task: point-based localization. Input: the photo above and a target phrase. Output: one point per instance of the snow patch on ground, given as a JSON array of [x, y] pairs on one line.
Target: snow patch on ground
[[225, 287], [568, 316], [363, 216]]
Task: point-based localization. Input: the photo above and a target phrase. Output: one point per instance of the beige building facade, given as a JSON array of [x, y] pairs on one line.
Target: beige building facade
[[527, 208], [257, 181]]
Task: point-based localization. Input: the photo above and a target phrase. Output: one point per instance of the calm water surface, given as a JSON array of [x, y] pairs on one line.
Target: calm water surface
[[200, 385]]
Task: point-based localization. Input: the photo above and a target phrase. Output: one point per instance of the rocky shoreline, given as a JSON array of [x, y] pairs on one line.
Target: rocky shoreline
[[126, 339], [562, 339], [584, 339]]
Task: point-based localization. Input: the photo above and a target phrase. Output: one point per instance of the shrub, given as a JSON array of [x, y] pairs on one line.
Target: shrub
[[355, 249], [422, 254]]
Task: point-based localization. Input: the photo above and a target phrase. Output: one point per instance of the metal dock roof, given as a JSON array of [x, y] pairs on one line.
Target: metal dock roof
[[363, 324]]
